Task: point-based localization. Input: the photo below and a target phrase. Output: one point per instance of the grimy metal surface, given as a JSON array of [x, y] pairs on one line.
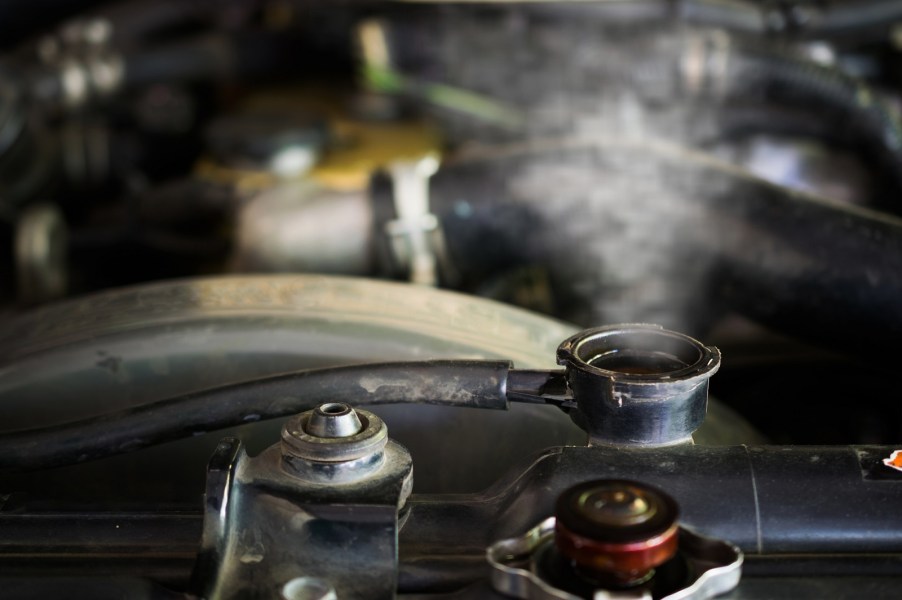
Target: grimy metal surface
[[825, 512], [264, 528], [766, 500]]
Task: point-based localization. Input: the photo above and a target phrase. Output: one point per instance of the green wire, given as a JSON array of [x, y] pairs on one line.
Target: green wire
[[385, 80]]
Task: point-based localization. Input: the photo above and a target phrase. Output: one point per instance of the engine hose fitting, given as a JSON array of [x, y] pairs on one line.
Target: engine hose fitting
[[638, 384]]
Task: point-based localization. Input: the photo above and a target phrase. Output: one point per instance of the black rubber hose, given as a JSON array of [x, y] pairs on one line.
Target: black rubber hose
[[855, 112], [633, 232], [252, 55], [135, 21], [713, 70], [188, 61], [462, 383], [246, 56], [208, 58], [838, 19], [857, 17]]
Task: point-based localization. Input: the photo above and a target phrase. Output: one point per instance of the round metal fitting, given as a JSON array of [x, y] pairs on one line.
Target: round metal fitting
[[616, 530], [301, 435], [334, 420], [638, 384]]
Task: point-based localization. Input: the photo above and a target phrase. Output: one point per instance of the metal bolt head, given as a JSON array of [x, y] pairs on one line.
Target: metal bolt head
[[333, 420]]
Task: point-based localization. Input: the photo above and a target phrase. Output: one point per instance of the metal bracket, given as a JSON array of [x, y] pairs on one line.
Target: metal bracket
[[268, 532], [719, 565]]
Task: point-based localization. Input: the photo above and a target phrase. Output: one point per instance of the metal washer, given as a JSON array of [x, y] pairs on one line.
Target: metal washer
[[371, 439]]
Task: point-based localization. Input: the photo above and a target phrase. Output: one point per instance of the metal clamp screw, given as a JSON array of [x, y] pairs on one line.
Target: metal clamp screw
[[413, 233]]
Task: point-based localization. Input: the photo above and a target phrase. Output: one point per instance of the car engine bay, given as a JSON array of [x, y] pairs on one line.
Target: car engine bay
[[445, 300]]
